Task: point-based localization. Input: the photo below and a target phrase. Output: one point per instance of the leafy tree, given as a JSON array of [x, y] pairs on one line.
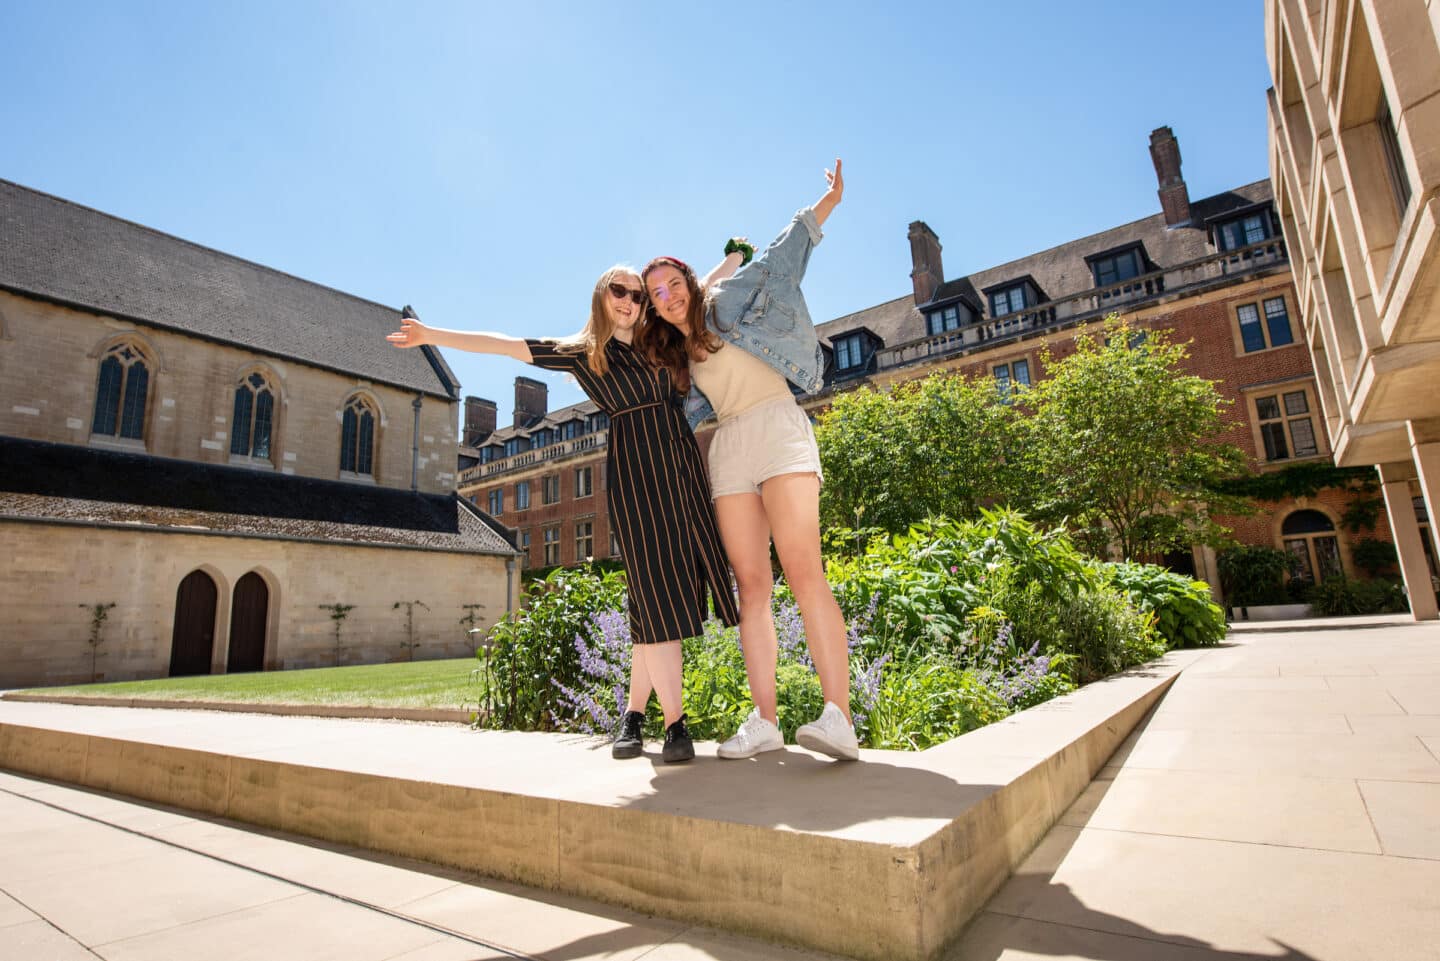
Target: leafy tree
[[932, 447], [1124, 446]]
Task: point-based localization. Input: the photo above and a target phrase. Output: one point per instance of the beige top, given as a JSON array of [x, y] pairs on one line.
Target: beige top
[[735, 381]]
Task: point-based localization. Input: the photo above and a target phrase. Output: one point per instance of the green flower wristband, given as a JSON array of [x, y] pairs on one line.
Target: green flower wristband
[[737, 246]]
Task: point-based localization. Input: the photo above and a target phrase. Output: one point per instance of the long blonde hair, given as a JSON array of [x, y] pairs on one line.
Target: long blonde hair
[[599, 329]]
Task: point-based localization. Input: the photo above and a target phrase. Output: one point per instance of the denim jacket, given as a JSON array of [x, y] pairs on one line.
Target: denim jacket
[[761, 310]]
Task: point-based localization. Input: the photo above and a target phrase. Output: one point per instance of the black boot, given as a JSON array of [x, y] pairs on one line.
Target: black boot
[[629, 741], [678, 746]]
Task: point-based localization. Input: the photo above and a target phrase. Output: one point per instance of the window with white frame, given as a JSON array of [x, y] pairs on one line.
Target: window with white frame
[[552, 546], [1273, 332], [522, 495], [1242, 231], [496, 502], [584, 540], [550, 489], [525, 548], [1287, 428], [1008, 375], [584, 481], [847, 352], [614, 544], [943, 320], [1007, 301]]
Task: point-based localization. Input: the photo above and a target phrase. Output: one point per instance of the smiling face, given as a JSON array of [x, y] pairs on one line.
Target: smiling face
[[670, 295], [621, 308]]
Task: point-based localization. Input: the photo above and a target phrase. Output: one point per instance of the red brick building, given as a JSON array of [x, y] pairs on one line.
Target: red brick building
[[1214, 270]]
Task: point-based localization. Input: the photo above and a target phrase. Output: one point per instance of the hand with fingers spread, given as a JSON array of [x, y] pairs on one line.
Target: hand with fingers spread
[[412, 333]]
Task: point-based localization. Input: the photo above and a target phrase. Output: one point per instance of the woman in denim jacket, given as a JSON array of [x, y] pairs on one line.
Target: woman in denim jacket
[[743, 343]]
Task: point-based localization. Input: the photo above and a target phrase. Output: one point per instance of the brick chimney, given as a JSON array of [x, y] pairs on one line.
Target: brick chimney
[[928, 273], [1174, 197], [532, 400], [479, 421]]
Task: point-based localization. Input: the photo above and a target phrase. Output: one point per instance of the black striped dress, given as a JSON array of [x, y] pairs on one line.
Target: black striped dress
[[658, 494]]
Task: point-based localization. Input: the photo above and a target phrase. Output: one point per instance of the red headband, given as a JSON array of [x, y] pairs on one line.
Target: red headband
[[674, 260]]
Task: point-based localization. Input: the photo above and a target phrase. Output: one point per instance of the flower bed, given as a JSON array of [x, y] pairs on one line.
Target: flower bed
[[952, 626]]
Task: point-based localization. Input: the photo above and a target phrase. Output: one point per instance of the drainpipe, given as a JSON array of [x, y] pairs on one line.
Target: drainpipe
[[509, 584], [415, 447]]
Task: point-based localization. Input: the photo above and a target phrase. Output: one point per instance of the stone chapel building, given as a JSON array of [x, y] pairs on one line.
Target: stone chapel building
[[228, 455]]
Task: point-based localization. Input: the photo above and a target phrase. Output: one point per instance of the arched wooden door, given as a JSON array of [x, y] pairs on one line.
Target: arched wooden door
[[248, 614], [193, 641]]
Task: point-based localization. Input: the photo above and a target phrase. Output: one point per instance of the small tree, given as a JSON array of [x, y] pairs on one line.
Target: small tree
[[409, 644], [98, 614], [937, 446], [338, 613], [1124, 446]]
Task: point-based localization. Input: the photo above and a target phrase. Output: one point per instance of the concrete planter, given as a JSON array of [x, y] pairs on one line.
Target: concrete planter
[[1270, 612]]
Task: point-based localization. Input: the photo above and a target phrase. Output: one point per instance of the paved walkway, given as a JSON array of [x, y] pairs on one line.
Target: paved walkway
[[1282, 802]]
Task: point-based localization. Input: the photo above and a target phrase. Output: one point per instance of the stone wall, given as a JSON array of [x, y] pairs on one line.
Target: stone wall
[[49, 371], [51, 575]]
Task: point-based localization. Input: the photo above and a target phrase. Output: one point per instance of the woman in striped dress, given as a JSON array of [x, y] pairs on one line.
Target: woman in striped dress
[[657, 491]]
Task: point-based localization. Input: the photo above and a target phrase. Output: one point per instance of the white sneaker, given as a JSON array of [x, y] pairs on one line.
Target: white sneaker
[[755, 736], [830, 734]]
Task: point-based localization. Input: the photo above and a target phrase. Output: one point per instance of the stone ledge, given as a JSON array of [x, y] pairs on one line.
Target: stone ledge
[[433, 714], [887, 858]]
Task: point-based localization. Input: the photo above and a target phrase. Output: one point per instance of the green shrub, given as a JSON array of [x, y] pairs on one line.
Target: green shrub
[[1373, 556], [1104, 634], [1342, 596], [929, 702], [1252, 575], [1184, 613], [534, 647]]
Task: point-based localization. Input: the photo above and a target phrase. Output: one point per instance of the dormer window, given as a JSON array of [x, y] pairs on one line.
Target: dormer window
[[487, 454], [572, 429], [848, 352], [1242, 231], [599, 421], [513, 446], [541, 438], [1007, 300], [942, 320], [1117, 267]]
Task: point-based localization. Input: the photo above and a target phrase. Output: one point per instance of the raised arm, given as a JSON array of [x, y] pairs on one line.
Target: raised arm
[[833, 193], [723, 270], [412, 333]]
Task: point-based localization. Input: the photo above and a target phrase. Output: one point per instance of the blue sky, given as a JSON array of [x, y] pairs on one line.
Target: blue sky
[[486, 161]]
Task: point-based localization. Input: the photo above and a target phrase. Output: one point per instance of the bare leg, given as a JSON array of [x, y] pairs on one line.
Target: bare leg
[[640, 686], [792, 504], [662, 664], [746, 534]]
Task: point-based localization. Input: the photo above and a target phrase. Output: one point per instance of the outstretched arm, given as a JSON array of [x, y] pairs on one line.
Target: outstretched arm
[[723, 270], [412, 333], [831, 198]]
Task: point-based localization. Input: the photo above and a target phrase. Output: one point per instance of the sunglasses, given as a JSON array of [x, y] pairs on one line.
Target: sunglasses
[[620, 292]]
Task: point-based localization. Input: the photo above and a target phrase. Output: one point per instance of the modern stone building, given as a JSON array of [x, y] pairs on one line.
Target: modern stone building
[[1215, 270], [1355, 163], [221, 451]]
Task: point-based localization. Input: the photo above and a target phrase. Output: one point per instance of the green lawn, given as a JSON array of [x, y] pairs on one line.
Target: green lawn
[[435, 684]]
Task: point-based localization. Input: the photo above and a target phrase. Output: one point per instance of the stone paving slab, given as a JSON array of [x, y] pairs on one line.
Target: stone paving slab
[[1252, 825], [789, 845]]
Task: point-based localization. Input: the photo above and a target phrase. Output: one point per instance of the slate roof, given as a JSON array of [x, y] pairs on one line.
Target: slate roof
[[67, 482], [1061, 271], [63, 252], [551, 420]]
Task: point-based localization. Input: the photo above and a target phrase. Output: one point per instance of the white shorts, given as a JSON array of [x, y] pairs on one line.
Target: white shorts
[[766, 441]]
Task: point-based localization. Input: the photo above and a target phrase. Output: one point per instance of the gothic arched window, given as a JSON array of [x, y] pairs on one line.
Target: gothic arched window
[[120, 393], [254, 418], [357, 437]]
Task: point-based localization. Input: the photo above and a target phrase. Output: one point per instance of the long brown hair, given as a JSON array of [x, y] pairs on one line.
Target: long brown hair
[[599, 329], [661, 341]]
